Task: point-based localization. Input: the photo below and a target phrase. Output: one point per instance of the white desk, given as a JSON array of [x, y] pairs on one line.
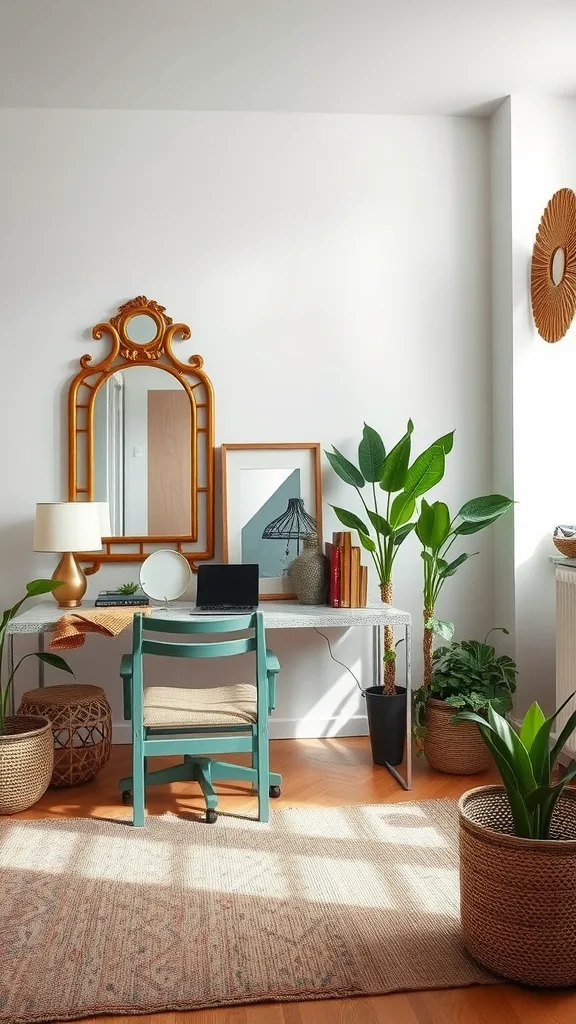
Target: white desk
[[42, 617]]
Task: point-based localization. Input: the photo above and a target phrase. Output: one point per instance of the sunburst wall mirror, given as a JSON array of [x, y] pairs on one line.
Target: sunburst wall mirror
[[553, 275]]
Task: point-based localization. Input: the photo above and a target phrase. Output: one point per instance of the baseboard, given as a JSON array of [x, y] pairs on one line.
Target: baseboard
[[284, 728]]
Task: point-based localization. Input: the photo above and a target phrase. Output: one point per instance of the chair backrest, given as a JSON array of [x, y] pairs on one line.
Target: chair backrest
[[212, 649]]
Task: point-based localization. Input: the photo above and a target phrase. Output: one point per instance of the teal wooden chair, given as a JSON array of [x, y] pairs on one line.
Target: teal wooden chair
[[237, 714]]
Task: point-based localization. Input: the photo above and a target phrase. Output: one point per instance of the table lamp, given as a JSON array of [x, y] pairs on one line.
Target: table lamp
[[67, 527]]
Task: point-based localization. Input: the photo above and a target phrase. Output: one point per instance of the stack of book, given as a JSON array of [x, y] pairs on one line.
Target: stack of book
[[348, 577], [118, 599]]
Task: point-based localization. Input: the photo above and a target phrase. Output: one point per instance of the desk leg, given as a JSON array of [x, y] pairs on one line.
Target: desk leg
[[40, 662], [10, 660], [407, 782]]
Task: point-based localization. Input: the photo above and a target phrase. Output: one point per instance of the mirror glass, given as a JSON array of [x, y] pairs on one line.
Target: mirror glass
[[557, 266], [141, 328], [143, 452]]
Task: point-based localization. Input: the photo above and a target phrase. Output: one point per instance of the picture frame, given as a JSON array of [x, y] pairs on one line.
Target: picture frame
[[271, 499]]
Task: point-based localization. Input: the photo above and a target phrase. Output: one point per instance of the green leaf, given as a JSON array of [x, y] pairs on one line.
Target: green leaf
[[464, 529], [371, 454], [521, 763], [446, 442], [396, 466], [38, 587], [350, 520], [402, 532], [444, 629], [533, 720], [489, 506], [425, 472], [452, 567], [401, 511], [434, 524], [55, 661], [379, 523], [366, 541], [344, 469], [564, 735]]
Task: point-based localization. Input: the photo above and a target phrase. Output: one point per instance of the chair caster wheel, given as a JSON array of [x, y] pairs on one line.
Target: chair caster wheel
[[211, 816], [275, 792], [127, 796]]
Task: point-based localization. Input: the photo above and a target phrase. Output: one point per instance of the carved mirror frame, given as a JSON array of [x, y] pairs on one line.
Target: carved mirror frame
[[125, 352]]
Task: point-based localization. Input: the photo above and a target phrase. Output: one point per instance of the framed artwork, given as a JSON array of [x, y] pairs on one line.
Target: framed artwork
[[271, 500]]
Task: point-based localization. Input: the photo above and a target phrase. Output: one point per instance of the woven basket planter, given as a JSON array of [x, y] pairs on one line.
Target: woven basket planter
[[518, 896], [566, 546], [454, 749], [26, 762], [81, 723]]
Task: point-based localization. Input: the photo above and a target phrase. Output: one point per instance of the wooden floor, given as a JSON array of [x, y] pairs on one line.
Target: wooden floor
[[322, 773]]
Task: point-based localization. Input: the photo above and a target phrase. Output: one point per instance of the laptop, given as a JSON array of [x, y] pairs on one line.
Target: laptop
[[227, 589]]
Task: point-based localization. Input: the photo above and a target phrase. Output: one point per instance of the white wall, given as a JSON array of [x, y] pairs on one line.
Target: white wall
[[332, 268], [543, 160]]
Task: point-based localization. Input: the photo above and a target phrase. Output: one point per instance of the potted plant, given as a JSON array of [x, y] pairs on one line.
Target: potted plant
[[467, 675], [388, 523], [518, 853], [26, 743]]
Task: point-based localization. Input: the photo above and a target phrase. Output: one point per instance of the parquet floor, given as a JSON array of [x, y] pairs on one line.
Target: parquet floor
[[327, 772]]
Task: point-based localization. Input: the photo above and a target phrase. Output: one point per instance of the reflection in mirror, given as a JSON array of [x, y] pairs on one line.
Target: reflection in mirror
[[141, 328], [558, 266], [143, 452]]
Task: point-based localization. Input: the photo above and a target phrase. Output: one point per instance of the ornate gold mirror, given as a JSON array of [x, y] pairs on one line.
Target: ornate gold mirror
[[141, 437]]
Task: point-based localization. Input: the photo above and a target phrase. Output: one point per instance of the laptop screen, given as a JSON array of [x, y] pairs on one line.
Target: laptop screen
[[227, 584]]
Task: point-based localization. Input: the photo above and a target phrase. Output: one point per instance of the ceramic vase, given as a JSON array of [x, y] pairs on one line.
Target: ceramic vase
[[309, 573]]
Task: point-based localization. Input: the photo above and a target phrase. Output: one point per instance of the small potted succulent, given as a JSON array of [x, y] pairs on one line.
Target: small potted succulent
[[467, 675], [518, 853], [26, 743]]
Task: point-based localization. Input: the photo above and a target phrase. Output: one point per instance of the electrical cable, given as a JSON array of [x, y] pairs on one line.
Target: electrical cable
[[341, 663]]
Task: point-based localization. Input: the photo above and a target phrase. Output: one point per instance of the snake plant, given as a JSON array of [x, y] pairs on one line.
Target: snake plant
[[526, 760], [34, 589]]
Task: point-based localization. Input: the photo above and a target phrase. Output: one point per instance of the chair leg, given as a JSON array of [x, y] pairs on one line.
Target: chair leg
[[255, 759], [263, 750], [203, 776], [138, 785]]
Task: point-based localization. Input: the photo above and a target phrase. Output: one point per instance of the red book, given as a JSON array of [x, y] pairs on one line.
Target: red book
[[334, 593]]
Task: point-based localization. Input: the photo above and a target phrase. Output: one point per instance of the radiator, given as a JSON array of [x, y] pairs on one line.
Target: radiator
[[565, 647]]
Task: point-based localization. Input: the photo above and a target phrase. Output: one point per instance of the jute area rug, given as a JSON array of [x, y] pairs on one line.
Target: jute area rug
[[98, 917]]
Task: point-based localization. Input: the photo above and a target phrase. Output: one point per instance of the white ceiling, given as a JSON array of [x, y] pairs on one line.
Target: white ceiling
[[354, 56]]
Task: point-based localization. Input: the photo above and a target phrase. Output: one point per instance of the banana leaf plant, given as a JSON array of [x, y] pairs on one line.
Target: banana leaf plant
[[437, 532], [34, 589], [388, 486], [526, 760]]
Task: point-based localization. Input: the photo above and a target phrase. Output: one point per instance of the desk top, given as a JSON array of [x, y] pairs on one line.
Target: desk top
[[42, 617]]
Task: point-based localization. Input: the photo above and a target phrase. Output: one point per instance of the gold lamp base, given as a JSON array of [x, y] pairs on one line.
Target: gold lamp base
[[73, 580]]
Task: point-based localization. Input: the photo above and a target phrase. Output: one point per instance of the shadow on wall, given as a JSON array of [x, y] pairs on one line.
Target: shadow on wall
[[536, 628]]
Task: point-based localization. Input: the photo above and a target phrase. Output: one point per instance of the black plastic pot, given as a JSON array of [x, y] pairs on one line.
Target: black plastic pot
[[387, 724]]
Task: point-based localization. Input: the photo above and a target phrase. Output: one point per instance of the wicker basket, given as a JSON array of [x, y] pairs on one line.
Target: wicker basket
[[81, 723], [566, 546], [518, 896], [26, 762], [454, 749]]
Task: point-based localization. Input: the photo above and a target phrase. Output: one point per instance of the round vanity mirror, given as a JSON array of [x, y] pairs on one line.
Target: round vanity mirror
[[558, 266], [141, 328], [165, 575]]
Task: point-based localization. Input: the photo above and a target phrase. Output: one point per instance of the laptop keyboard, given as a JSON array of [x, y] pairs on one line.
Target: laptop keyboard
[[227, 608]]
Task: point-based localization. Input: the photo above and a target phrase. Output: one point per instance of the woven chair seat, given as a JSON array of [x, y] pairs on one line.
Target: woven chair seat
[[81, 723], [168, 706]]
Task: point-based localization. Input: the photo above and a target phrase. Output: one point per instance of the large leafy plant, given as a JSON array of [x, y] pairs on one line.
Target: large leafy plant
[[467, 675], [526, 760], [34, 589], [388, 485], [437, 531]]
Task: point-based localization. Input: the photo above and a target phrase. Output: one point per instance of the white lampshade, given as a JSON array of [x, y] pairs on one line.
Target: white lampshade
[[68, 526]]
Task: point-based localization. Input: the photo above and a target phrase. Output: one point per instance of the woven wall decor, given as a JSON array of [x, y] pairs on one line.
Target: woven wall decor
[[81, 723], [553, 276]]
